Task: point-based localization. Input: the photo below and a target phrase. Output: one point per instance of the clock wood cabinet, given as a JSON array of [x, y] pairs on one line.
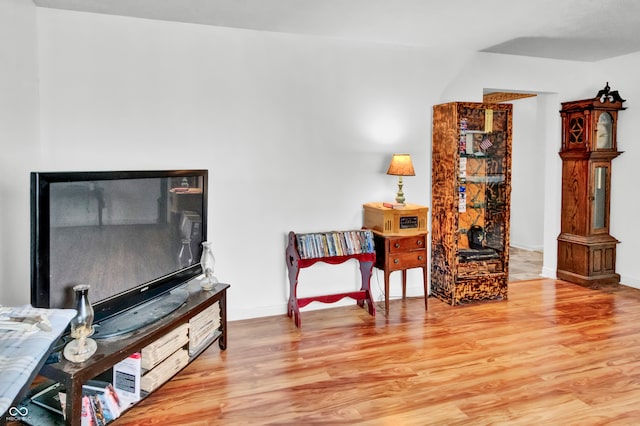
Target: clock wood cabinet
[[586, 250], [471, 190]]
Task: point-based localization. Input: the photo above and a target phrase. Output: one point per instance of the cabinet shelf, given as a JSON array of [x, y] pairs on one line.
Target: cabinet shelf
[[484, 179], [489, 205], [486, 275], [477, 155]]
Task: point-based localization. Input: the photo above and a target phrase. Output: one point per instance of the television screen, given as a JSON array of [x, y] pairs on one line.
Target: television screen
[[131, 236]]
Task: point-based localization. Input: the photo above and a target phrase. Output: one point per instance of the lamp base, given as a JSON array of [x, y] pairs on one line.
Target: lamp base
[[80, 350], [400, 195], [208, 283]]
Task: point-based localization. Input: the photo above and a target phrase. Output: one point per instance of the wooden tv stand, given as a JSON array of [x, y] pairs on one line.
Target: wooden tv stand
[[112, 351]]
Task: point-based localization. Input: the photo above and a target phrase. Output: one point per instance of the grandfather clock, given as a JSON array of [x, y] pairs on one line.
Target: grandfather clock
[[586, 251]]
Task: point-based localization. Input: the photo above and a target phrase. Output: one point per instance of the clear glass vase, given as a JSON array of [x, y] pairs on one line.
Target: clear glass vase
[[207, 261], [82, 347], [185, 256]]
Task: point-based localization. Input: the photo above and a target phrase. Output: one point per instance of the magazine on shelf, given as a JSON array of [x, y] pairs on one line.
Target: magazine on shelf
[[49, 398], [100, 402], [126, 379]]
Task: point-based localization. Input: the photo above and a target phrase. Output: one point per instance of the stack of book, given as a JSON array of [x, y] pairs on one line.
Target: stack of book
[[203, 328], [335, 243], [164, 370], [163, 358], [160, 350]]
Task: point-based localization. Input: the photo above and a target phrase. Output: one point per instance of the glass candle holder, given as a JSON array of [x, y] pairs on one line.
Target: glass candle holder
[[207, 261], [82, 347]]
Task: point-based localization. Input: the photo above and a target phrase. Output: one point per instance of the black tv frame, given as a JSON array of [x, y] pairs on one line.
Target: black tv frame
[[40, 231]]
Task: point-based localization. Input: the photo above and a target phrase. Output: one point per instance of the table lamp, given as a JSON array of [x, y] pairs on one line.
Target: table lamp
[[400, 165]]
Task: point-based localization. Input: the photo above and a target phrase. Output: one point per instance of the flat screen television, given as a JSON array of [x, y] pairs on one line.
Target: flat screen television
[[133, 236]]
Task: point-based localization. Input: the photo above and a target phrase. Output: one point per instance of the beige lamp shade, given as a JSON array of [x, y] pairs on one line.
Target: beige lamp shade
[[401, 165]]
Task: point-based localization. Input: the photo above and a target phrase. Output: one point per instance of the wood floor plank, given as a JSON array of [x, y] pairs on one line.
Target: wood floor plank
[[553, 353]]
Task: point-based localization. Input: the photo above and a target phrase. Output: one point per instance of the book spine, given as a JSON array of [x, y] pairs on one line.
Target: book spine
[[335, 243], [299, 240]]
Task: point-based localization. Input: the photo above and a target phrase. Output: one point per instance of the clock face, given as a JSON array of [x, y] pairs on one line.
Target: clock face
[[603, 131]]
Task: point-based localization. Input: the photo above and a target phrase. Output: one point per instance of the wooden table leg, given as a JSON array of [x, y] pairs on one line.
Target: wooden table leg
[[386, 292], [366, 268], [293, 309], [404, 284], [426, 287]]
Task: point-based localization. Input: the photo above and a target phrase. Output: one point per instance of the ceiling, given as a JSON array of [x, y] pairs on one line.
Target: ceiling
[[580, 30]]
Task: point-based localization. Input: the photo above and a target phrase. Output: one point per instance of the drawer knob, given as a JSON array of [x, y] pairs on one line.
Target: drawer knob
[[419, 242], [397, 245], [396, 261], [420, 257]]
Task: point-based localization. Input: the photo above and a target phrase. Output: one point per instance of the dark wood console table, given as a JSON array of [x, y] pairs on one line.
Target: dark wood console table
[[295, 263], [399, 253], [112, 351]]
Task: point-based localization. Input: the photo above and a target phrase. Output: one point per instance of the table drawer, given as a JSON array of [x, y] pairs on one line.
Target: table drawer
[[407, 260], [399, 245]]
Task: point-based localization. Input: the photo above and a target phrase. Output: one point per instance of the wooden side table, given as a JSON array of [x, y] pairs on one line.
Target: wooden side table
[[399, 253]]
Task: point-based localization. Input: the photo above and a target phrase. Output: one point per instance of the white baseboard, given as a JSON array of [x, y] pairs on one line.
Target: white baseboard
[[548, 273], [630, 281], [624, 280], [526, 247]]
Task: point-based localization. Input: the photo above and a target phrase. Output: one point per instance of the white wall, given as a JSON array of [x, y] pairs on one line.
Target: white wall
[[296, 131], [527, 177], [625, 224], [551, 130], [19, 141]]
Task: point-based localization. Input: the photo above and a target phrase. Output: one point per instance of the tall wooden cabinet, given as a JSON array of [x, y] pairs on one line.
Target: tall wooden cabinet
[[586, 251], [471, 190]]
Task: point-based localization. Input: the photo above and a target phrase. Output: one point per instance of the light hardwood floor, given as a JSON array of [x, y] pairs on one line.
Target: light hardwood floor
[[555, 353], [524, 264]]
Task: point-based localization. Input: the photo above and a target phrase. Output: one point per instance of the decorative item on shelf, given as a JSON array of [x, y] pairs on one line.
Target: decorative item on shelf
[[400, 165], [607, 95], [207, 261], [82, 347], [464, 126], [475, 234], [486, 143]]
